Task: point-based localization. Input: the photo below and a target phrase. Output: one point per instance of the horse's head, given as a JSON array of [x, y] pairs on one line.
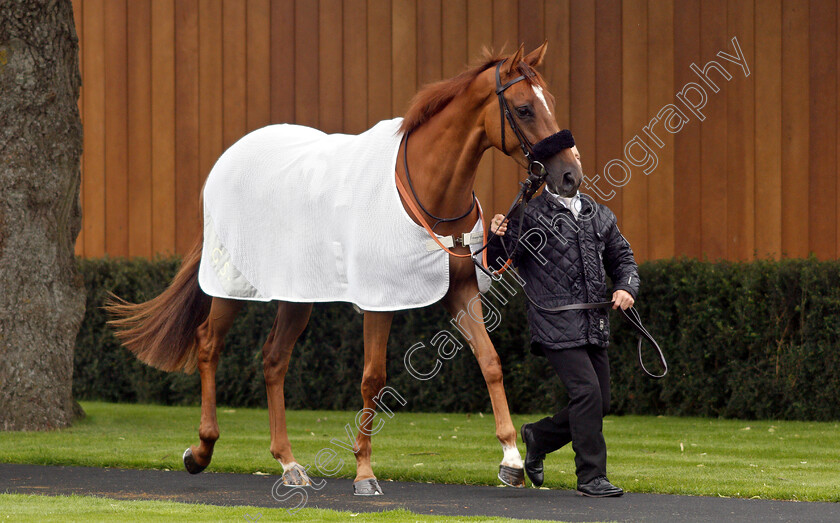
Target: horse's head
[[520, 121]]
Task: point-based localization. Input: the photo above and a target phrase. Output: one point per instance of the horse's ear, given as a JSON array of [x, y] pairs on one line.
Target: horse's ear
[[514, 60], [535, 57]]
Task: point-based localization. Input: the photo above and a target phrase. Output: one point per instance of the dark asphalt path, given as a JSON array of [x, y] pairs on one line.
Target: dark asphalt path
[[421, 498]]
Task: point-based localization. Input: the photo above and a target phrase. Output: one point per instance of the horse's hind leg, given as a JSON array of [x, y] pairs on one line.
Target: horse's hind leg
[[210, 337], [289, 323], [377, 329]]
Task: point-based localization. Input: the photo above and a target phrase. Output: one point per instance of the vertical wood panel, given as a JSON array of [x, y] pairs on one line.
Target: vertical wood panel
[[531, 23], [823, 129], [556, 64], [661, 92], [282, 61], [506, 25], [768, 128], [94, 130], [634, 111], [479, 33], [687, 141], [713, 136], [403, 54], [187, 185], [608, 108], [429, 42], [795, 93], [116, 142], [210, 86], [306, 63], [235, 72], [163, 126], [355, 66], [78, 21], [454, 37], [582, 94], [740, 160], [379, 105], [139, 33], [506, 173], [330, 71], [259, 63]]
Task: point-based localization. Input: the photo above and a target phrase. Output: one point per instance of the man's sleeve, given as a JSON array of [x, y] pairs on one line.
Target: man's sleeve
[[497, 251], [618, 260]]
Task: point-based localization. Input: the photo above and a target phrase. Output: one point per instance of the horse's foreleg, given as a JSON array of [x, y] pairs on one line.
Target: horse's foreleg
[[464, 306], [289, 323], [210, 338], [377, 328]]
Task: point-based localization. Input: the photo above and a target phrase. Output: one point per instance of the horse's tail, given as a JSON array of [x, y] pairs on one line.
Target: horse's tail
[[162, 331]]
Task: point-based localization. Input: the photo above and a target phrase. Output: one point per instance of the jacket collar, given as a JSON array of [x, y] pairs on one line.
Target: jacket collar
[[562, 200], [547, 198]]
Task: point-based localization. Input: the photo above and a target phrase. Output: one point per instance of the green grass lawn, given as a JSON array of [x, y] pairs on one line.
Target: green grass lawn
[[45, 509], [766, 459]]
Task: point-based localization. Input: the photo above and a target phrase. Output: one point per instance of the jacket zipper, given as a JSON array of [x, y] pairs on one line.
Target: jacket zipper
[[585, 279]]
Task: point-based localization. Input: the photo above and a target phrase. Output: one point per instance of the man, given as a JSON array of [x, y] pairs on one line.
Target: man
[[567, 245]]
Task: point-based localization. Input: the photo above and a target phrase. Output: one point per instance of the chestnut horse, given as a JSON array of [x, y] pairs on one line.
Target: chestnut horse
[[451, 124]]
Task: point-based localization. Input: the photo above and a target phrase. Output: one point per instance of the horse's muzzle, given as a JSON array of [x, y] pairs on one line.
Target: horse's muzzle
[[569, 184]]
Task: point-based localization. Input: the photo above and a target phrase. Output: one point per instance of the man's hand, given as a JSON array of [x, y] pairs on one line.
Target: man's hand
[[622, 298], [496, 226]]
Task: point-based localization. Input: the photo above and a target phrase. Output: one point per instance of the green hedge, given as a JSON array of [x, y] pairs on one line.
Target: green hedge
[[746, 340]]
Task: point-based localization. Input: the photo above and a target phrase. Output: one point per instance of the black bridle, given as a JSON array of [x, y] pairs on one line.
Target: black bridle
[[534, 154]]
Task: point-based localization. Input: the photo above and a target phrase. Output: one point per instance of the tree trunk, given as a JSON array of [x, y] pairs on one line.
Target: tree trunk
[[42, 298]]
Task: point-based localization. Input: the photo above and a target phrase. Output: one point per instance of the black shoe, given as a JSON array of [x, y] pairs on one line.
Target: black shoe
[[599, 487], [533, 461]]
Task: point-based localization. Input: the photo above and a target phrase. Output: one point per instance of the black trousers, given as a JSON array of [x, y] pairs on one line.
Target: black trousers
[[585, 372]]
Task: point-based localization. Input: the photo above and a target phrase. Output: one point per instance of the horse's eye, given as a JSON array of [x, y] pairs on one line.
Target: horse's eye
[[524, 111]]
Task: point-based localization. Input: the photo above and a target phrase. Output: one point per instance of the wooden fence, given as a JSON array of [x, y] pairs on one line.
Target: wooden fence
[[169, 84]]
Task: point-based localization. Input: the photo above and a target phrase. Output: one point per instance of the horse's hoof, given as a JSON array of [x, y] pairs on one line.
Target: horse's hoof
[[190, 463], [512, 477], [296, 476], [367, 487]]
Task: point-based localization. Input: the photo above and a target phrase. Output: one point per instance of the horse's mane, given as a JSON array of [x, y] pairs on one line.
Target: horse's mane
[[432, 98]]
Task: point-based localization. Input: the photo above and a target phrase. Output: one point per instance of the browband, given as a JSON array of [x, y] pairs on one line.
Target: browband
[[548, 147]]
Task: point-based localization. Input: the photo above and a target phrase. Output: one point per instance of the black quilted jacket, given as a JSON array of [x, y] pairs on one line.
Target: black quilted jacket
[[568, 267]]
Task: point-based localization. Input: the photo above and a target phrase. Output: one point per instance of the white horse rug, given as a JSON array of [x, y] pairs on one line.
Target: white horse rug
[[294, 214]]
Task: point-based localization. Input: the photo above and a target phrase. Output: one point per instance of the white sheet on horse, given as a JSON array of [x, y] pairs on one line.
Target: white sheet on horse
[[294, 214]]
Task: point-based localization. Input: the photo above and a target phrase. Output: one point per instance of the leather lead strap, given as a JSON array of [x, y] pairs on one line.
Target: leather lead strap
[[630, 315]]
